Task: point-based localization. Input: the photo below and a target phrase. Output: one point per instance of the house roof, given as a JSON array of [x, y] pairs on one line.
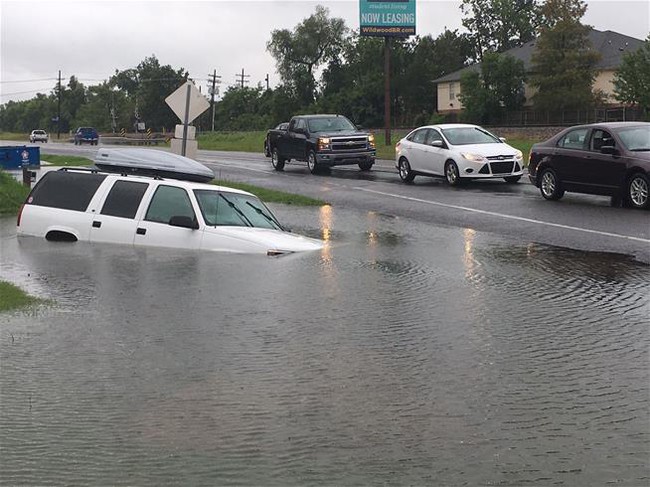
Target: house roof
[[611, 46]]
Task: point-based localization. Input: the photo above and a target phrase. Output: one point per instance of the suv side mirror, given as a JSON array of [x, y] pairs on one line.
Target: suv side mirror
[[183, 222], [608, 149]]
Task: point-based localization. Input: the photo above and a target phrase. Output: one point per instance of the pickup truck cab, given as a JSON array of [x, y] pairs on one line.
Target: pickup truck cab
[[322, 141]]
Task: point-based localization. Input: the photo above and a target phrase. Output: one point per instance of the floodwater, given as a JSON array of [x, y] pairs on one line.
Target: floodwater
[[402, 354]]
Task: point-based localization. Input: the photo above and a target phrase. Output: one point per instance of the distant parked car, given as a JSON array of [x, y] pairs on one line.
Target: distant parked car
[[611, 159], [38, 136], [457, 152], [86, 135]]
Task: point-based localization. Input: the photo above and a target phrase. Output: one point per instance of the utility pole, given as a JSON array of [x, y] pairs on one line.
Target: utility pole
[[213, 91], [267, 80], [387, 89], [58, 115], [242, 77], [113, 122]]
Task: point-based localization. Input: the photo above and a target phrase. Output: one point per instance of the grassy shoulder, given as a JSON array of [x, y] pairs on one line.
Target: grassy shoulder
[[270, 195], [63, 160], [12, 297], [12, 194], [233, 141]]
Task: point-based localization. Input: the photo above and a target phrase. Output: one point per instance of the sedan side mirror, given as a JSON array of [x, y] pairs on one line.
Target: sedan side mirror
[[183, 222], [437, 143], [608, 149], [502, 139]]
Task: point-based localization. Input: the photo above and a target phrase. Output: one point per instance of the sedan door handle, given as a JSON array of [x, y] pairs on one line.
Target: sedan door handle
[[97, 224], [141, 231]]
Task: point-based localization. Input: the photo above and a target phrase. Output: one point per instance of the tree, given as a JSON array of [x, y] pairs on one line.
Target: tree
[[496, 89], [632, 78], [312, 43], [499, 25], [563, 64]]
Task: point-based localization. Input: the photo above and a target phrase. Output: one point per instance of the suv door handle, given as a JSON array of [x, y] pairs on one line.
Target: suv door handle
[[96, 224], [141, 231]]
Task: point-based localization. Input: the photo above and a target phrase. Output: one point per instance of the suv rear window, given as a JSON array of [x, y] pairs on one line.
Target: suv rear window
[[65, 190]]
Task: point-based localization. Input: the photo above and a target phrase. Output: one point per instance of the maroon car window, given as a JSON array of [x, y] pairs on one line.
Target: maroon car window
[[575, 139], [599, 139]]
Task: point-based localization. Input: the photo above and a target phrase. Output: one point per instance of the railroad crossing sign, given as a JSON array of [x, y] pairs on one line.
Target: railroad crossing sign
[[179, 100]]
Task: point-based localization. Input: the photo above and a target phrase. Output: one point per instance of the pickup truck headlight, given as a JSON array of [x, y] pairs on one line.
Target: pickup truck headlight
[[474, 157], [324, 143], [371, 141]]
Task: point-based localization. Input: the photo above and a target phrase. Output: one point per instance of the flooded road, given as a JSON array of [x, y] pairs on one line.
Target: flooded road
[[402, 354]]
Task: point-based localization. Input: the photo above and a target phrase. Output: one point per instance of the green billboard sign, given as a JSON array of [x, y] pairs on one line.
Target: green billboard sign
[[395, 18]]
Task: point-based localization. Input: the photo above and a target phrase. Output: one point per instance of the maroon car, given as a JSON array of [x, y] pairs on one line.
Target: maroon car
[[610, 159]]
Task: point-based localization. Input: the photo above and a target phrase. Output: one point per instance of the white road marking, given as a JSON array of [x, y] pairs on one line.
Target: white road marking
[[509, 217]]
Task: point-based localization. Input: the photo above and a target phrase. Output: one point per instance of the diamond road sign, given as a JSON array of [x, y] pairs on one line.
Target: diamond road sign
[[178, 99]]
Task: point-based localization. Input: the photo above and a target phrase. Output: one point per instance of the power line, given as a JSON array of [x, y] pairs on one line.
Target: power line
[[22, 92], [27, 80]]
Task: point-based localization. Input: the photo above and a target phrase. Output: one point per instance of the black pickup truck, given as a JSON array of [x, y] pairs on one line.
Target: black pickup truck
[[322, 141]]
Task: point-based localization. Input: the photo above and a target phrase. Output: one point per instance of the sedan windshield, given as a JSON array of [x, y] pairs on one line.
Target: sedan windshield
[[636, 138], [330, 124], [469, 135], [234, 209]]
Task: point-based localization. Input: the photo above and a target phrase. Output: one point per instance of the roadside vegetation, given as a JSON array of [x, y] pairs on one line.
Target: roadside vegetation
[[272, 196], [59, 160], [12, 297], [12, 194]]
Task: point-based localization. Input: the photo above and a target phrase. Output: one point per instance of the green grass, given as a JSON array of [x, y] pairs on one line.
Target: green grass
[[233, 141], [58, 160], [12, 297], [12, 194], [272, 196], [523, 145], [13, 136]]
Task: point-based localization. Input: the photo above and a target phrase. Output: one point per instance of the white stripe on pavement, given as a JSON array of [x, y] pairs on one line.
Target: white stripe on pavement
[[510, 217]]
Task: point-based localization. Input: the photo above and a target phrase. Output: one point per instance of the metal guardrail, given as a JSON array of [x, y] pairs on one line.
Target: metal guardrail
[[132, 140]]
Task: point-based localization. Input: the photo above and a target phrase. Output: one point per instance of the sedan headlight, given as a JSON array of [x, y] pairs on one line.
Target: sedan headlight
[[519, 155], [474, 157]]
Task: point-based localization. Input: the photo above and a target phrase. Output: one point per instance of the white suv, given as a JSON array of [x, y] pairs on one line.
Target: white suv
[[457, 152], [89, 205], [38, 136]]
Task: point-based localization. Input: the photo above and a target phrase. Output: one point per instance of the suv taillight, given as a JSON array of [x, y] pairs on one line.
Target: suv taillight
[[20, 214]]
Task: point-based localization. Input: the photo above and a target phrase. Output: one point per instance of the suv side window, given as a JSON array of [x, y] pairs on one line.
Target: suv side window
[[124, 199], [169, 201], [575, 139], [66, 190]]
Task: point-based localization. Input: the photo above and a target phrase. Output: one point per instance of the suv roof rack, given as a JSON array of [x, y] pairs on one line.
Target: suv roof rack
[[96, 170]]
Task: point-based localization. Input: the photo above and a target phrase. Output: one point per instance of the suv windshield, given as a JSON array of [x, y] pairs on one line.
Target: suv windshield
[[234, 209], [469, 135], [330, 124], [636, 138]]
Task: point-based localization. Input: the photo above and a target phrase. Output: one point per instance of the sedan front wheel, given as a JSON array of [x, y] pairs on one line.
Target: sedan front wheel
[[638, 191], [451, 174]]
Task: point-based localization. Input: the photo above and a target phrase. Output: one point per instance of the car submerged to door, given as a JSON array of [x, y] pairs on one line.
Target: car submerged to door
[[93, 206], [457, 152], [611, 159]]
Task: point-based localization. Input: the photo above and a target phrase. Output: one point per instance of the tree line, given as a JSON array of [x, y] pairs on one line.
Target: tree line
[[327, 67]]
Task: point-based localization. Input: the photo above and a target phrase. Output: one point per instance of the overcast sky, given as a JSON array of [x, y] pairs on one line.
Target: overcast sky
[[92, 38]]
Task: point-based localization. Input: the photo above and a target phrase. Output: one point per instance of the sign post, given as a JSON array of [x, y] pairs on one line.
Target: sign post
[[387, 18], [187, 103]]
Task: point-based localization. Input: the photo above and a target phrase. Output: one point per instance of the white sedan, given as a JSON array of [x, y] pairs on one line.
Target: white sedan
[[457, 152]]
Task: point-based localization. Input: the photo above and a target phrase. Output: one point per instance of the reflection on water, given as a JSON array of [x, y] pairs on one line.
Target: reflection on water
[[400, 354]]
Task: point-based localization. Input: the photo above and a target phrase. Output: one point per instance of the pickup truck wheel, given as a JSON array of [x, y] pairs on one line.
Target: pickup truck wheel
[[366, 165], [311, 162], [276, 160]]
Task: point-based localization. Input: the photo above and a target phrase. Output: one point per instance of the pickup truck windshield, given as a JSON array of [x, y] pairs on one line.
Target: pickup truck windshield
[[330, 124], [234, 209]]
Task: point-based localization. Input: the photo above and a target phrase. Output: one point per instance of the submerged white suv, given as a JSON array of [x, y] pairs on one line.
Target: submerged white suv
[[89, 205]]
